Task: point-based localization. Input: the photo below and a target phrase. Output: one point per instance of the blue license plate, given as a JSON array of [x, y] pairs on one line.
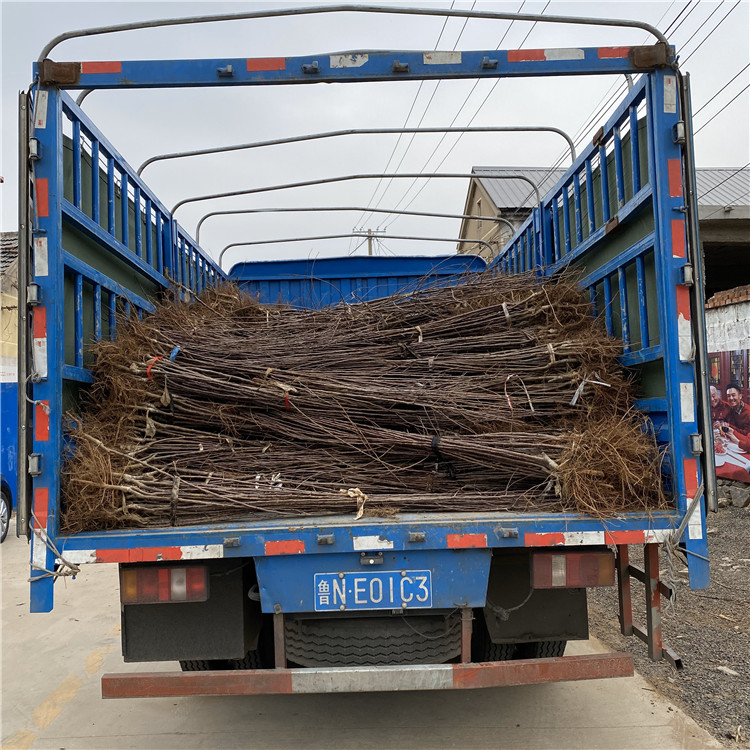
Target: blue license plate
[[410, 589]]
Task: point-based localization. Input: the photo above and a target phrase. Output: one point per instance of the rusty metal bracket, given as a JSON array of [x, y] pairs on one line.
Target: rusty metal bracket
[[467, 615], [650, 57], [612, 224], [655, 589], [598, 139], [52, 73]]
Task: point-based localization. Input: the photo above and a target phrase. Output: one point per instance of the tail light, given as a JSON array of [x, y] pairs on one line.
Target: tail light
[[553, 570], [160, 585]]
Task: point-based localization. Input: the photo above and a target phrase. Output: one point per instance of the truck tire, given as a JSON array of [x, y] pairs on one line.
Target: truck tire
[[499, 651], [251, 660], [373, 641], [541, 649], [201, 665]]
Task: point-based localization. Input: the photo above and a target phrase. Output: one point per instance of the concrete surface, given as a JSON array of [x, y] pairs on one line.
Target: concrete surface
[[52, 664]]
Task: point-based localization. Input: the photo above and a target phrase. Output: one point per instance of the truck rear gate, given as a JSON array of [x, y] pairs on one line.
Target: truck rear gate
[[96, 242]]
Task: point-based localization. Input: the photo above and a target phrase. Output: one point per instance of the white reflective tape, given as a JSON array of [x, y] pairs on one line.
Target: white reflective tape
[[41, 264], [40, 357], [685, 339], [39, 552], [40, 110], [372, 679], [80, 556], [202, 551], [583, 537], [371, 542], [652, 536], [441, 58], [687, 402], [564, 54], [670, 95], [695, 526], [348, 61]]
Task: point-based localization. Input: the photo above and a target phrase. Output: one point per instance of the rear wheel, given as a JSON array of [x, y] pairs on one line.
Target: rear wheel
[[251, 660], [4, 515], [541, 649], [201, 665]]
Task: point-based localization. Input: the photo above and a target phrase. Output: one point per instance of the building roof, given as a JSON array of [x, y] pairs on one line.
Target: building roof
[[717, 186], [8, 249]]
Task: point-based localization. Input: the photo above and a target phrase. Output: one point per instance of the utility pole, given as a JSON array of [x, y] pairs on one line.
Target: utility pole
[[369, 241]]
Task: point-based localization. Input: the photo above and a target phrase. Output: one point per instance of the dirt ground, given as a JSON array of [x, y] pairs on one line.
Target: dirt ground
[[709, 629]]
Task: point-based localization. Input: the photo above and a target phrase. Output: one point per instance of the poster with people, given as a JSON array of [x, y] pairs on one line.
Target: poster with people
[[730, 413]]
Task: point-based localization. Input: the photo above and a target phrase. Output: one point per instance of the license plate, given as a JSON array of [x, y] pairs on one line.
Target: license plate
[[410, 589]]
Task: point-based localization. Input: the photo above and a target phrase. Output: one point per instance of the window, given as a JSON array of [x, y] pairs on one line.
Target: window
[[479, 213]]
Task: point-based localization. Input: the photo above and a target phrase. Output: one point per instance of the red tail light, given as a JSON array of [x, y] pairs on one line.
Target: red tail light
[[154, 585], [553, 570]]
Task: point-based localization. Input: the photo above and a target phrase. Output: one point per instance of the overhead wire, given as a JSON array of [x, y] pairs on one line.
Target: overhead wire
[[722, 88], [723, 109], [700, 44], [473, 117], [671, 28], [424, 114], [726, 179], [406, 121]]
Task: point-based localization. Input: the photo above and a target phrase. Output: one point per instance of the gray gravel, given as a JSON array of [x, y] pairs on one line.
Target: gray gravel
[[709, 629]]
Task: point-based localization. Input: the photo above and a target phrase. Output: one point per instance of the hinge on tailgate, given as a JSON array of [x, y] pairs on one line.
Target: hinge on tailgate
[[653, 56], [59, 74]]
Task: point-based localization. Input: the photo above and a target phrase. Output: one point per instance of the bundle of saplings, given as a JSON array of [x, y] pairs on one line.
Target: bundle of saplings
[[499, 394]]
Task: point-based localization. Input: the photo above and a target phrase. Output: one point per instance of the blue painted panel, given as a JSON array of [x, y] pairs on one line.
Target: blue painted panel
[[332, 281], [458, 578]]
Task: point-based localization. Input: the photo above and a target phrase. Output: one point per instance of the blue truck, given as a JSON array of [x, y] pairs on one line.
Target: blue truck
[[96, 245]]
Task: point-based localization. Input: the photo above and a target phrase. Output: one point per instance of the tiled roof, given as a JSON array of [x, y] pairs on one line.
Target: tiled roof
[[8, 249], [717, 186]]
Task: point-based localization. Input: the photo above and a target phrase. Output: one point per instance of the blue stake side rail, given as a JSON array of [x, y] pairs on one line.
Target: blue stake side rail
[[626, 188], [86, 196]]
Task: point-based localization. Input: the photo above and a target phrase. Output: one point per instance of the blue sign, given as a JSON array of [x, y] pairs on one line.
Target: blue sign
[[386, 589]]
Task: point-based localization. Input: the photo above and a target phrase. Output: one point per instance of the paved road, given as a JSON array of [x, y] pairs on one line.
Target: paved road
[[51, 666]]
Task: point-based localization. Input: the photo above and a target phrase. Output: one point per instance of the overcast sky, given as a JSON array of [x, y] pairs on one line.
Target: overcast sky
[[711, 37]]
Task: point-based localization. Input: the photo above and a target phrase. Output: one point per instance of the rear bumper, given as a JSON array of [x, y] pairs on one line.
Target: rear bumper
[[367, 679]]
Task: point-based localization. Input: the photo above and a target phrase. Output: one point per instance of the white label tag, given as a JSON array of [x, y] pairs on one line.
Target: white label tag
[[670, 95], [41, 264], [687, 402], [40, 110]]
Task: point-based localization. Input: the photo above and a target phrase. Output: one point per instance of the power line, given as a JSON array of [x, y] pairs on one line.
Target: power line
[[411, 109], [700, 44], [692, 10], [723, 109], [424, 114], [726, 179], [473, 117], [722, 88], [603, 108]]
